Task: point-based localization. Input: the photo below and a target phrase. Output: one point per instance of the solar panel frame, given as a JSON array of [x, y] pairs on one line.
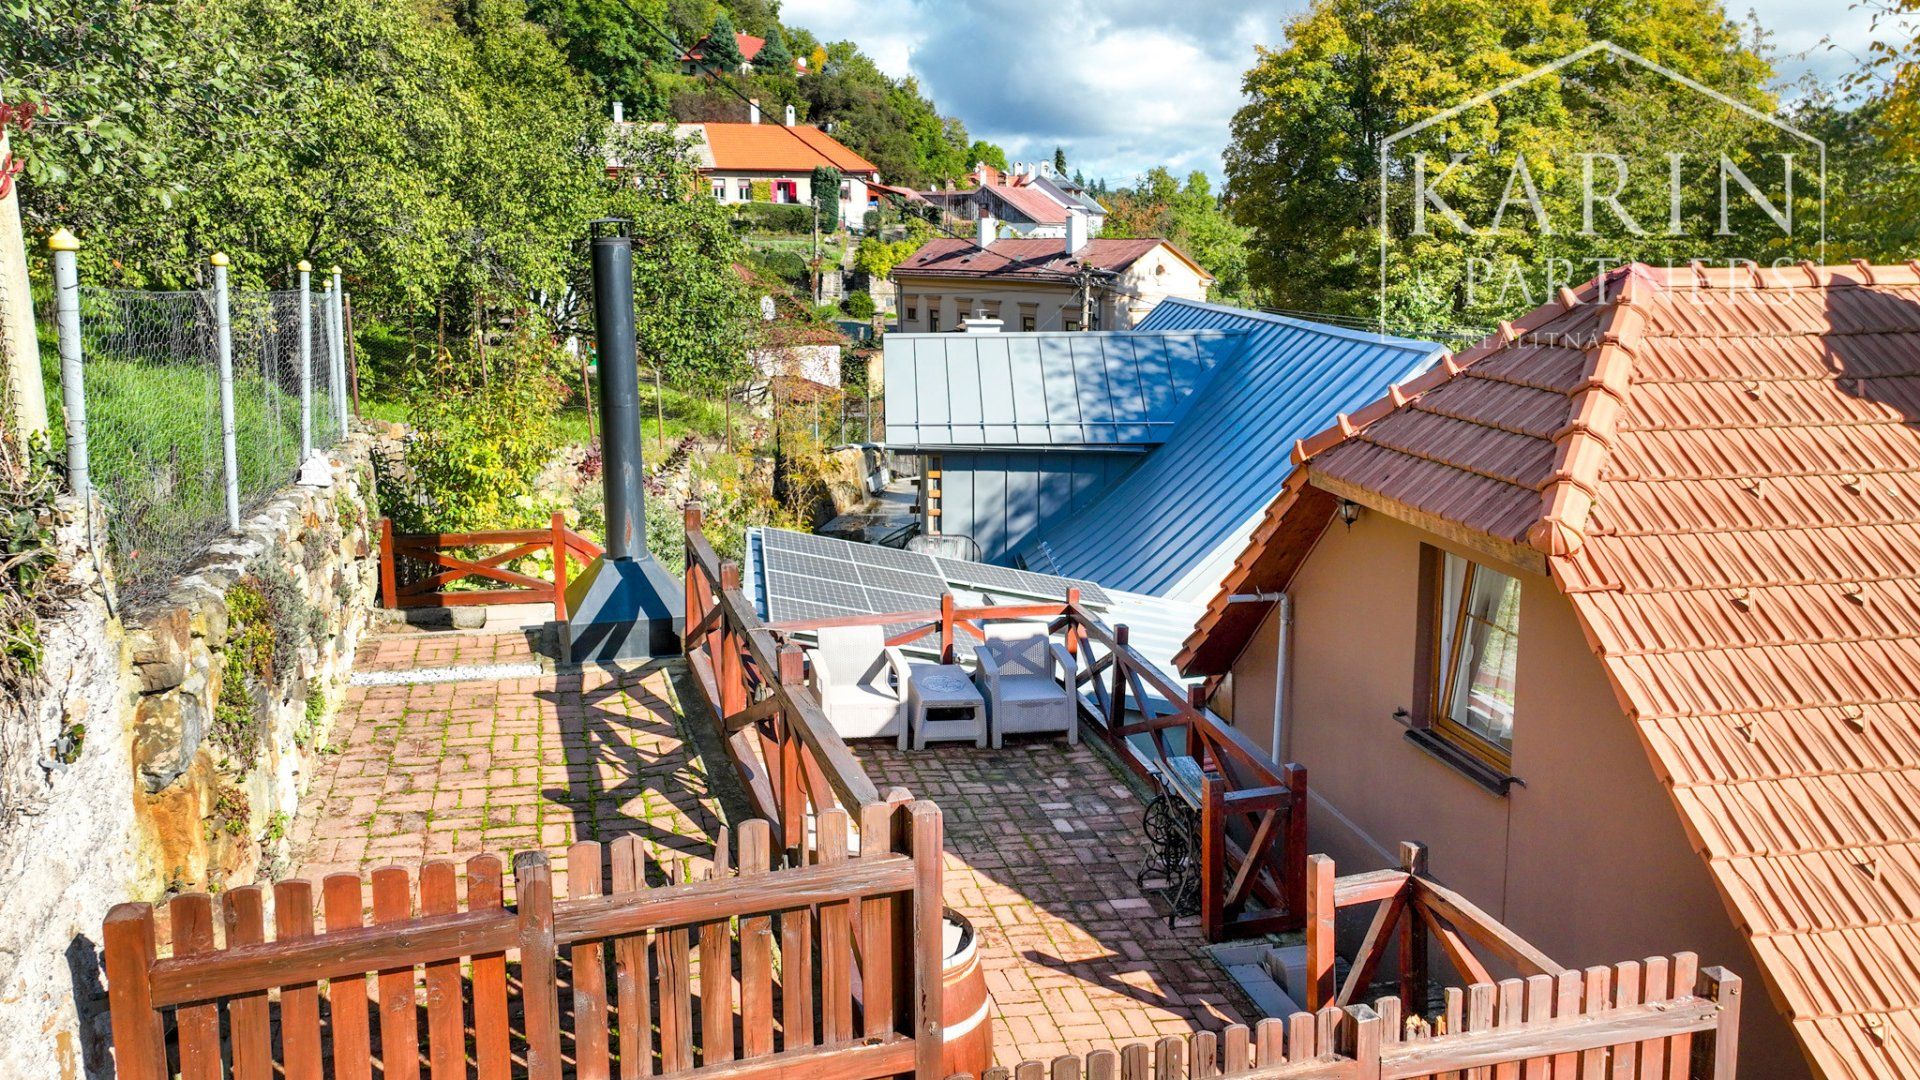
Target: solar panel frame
[[1024, 582]]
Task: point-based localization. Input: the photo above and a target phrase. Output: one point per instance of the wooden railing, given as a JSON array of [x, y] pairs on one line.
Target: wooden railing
[[838, 968], [416, 568], [1253, 815], [1410, 910], [1658, 1019], [1253, 822], [791, 761]]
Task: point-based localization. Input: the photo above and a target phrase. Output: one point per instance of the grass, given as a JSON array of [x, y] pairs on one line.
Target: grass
[[154, 451]]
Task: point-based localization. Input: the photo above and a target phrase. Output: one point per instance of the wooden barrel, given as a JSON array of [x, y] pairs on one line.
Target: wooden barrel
[[965, 1014]]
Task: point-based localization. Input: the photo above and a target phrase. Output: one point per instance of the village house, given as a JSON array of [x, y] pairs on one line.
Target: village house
[[694, 61], [1073, 282], [1024, 202], [1617, 609], [756, 162]]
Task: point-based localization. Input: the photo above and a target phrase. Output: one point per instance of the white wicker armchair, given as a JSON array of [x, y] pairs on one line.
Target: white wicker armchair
[[862, 682], [1028, 681]]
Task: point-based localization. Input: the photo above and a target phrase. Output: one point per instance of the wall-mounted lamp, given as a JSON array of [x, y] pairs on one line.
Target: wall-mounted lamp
[[1349, 512]]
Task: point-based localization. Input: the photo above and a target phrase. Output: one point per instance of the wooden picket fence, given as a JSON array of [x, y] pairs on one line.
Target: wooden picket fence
[[416, 568], [837, 966], [1657, 1019]]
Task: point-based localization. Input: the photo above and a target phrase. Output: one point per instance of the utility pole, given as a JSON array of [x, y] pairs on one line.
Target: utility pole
[[815, 262]]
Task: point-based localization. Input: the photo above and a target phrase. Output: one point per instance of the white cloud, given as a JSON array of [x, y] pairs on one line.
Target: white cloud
[[1124, 85]]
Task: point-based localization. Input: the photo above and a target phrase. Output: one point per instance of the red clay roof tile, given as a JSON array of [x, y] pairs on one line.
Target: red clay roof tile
[[1722, 468]]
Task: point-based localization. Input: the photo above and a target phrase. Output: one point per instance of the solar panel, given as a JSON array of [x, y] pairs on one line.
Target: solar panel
[[806, 577], [1024, 582], [800, 569]]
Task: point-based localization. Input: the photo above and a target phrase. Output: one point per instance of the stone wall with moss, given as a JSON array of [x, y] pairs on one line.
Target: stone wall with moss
[[167, 748]]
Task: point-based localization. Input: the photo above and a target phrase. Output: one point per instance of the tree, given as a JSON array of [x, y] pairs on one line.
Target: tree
[[1059, 161], [775, 58], [696, 319], [1191, 218], [986, 153], [722, 48], [825, 185], [1303, 168]]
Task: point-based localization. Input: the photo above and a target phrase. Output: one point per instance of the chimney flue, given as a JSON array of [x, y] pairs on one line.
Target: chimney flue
[[619, 112], [789, 116], [753, 111], [624, 605], [989, 229], [1076, 229]]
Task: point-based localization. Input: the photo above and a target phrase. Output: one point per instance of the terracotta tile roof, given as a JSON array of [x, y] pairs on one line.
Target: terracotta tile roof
[[775, 148], [1029, 260], [1722, 472], [748, 45]]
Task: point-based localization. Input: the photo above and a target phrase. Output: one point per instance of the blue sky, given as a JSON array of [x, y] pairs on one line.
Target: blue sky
[[1127, 84]]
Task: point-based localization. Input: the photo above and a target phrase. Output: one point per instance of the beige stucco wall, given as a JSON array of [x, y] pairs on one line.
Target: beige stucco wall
[[1588, 860], [853, 208], [1121, 306]]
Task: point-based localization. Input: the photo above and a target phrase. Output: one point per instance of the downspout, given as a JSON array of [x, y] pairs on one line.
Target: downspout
[[1282, 678]]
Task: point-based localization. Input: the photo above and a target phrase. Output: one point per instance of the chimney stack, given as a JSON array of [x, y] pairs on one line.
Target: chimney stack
[[789, 116], [619, 112], [624, 605], [753, 111], [989, 229], [1076, 229]]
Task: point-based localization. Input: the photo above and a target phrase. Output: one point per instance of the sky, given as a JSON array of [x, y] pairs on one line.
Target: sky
[[1123, 85]]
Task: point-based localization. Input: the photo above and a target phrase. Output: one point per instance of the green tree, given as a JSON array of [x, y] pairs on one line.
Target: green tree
[[1303, 168], [696, 319], [775, 58], [722, 48], [1060, 160], [825, 186], [986, 153]]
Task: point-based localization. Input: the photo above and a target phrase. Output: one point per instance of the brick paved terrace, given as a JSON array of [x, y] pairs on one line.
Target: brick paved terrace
[[1043, 840]]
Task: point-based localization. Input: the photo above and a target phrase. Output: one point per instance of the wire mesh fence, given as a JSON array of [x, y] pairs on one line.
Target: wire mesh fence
[[154, 449]]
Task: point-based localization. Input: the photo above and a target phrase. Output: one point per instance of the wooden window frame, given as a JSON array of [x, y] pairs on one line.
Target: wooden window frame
[[1431, 728]]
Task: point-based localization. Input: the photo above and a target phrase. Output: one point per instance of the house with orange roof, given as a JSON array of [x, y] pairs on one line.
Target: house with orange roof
[[756, 162], [1618, 610], [694, 61]]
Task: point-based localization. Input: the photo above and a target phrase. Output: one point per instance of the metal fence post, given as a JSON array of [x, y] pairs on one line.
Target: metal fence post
[[306, 360], [339, 352], [73, 389], [223, 338]]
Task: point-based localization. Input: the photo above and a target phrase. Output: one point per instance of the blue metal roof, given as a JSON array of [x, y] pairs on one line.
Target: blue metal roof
[[1086, 390], [1173, 525]]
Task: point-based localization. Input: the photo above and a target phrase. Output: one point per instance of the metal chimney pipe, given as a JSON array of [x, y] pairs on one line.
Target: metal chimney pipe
[[619, 388]]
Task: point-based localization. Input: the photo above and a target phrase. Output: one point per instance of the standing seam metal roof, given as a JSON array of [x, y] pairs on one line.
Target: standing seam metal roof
[[1170, 526], [1062, 390]]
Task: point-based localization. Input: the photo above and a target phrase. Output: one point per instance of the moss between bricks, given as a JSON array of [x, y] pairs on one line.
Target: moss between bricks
[[269, 622]]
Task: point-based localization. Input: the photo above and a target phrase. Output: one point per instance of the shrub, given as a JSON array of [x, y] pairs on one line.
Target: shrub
[[789, 266], [762, 191], [770, 217], [860, 305]]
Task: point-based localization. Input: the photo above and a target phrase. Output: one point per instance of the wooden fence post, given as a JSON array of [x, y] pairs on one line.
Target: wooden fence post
[[1070, 632], [1320, 923], [139, 1037], [1213, 827], [1360, 1039], [1718, 1058], [691, 517], [1413, 935], [1117, 716], [792, 785], [728, 670], [946, 628], [539, 956], [389, 590], [1293, 873], [559, 567], [929, 1037]]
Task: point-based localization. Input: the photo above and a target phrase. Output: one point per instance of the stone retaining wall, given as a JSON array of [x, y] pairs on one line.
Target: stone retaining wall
[[195, 739]]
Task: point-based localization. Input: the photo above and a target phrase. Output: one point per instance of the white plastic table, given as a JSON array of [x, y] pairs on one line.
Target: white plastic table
[[943, 705]]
